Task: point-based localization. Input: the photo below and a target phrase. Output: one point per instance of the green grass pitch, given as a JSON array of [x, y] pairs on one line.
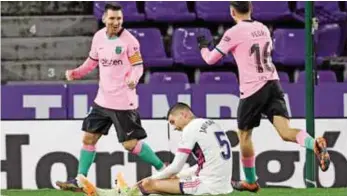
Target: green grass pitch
[[263, 192]]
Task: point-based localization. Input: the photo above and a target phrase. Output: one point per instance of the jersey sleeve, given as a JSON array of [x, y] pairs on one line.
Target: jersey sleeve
[[188, 172], [174, 168], [229, 41], [184, 149], [211, 57], [93, 53], [134, 53]]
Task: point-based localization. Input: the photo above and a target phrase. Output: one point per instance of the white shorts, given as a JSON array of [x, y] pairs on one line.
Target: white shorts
[[196, 186]]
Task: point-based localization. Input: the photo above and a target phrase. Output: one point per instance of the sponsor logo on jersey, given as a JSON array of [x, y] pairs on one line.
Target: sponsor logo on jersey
[[110, 62]]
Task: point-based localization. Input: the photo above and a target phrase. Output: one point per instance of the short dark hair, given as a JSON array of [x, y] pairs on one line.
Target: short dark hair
[[178, 106], [113, 6], [242, 7]]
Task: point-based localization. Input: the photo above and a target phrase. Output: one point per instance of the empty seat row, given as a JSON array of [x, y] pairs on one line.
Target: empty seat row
[[229, 77], [50, 71], [218, 11], [152, 47], [322, 76], [325, 11], [289, 46], [203, 78]]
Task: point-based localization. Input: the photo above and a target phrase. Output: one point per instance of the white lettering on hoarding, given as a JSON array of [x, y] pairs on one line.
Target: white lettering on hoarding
[[282, 163], [80, 106], [214, 102], [42, 104], [160, 104]]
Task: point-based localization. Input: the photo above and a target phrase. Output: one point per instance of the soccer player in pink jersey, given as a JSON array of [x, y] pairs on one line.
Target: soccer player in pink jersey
[[250, 43], [117, 53]]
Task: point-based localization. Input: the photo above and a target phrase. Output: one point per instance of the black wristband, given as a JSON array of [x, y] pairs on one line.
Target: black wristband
[[203, 42]]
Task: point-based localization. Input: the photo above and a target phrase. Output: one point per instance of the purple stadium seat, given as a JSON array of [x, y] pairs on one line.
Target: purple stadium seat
[[168, 78], [185, 48], [289, 47], [271, 10], [323, 77], [152, 47], [168, 11], [129, 10], [301, 77], [213, 11], [218, 78], [327, 76], [283, 77], [326, 12], [331, 6], [329, 42]]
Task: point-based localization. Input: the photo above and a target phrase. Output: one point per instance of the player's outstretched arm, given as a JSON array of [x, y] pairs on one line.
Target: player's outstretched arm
[[210, 57], [174, 168], [82, 70], [228, 42], [188, 172], [89, 64]]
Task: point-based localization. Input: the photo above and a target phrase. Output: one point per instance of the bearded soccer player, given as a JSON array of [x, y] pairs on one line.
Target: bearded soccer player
[[260, 92], [117, 53], [202, 138]]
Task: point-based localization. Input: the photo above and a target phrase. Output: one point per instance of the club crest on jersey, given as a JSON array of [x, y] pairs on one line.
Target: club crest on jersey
[[118, 50]]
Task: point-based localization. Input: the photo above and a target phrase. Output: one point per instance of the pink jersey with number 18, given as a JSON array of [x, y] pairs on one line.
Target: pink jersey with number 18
[[251, 44]]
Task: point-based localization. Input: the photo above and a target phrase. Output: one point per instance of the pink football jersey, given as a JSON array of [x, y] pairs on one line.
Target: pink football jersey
[[117, 57], [251, 44]]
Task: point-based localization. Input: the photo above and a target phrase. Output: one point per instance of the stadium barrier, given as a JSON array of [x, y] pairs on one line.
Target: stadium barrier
[[72, 101], [35, 154]]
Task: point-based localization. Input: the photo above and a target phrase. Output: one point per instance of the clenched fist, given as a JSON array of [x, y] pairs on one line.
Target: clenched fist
[[68, 75], [131, 84]]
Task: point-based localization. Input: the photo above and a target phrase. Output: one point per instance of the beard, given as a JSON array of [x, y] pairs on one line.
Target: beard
[[113, 29]]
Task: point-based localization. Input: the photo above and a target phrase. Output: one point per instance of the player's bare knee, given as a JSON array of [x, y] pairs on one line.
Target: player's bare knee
[[148, 185], [245, 135], [130, 145], [90, 138]]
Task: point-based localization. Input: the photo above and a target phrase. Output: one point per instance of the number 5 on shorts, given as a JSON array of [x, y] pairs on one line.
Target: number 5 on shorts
[[223, 141]]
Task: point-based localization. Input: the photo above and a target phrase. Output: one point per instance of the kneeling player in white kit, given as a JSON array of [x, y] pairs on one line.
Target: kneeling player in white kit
[[210, 146]]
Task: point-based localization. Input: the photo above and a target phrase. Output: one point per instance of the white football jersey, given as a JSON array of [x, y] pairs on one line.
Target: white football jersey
[[210, 145]]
